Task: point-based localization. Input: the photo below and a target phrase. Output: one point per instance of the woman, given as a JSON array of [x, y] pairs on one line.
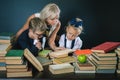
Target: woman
[[50, 14]]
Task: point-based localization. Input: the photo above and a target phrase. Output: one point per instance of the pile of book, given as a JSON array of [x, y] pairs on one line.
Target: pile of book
[[104, 57], [43, 57], [16, 64], [87, 67], [104, 62], [6, 37], [117, 50], [62, 61], [3, 50]]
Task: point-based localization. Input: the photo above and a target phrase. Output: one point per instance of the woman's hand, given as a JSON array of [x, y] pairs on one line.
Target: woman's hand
[[58, 25]]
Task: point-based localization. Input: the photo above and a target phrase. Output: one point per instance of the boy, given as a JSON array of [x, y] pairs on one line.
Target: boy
[[71, 39], [31, 38]]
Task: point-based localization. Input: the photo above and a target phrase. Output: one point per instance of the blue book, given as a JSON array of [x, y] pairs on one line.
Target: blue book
[[2, 64], [109, 71]]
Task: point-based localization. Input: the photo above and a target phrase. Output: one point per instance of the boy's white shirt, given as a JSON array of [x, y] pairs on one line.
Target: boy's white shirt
[[78, 42], [43, 42], [35, 41]]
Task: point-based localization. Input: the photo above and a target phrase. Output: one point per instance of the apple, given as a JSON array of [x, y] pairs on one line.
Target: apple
[[82, 58]]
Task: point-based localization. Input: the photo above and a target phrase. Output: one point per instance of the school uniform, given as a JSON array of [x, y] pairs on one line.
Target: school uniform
[[70, 44], [24, 41]]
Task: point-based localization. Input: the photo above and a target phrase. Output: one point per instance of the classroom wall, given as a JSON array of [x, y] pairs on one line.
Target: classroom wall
[[100, 17]]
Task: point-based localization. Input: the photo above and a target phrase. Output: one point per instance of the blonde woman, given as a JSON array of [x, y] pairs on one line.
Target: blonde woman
[[50, 14]]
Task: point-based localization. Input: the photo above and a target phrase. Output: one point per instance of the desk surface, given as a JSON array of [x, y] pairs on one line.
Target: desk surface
[[46, 74]]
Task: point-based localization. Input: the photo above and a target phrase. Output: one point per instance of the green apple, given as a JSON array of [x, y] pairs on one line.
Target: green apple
[[82, 58]]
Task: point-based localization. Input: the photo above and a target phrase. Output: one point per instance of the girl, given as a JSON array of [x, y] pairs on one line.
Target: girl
[[71, 39]]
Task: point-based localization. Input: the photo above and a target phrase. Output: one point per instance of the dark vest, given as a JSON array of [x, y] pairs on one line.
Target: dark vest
[[73, 42]]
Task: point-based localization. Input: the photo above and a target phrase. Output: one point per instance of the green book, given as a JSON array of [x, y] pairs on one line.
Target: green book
[[44, 61], [14, 54], [44, 53]]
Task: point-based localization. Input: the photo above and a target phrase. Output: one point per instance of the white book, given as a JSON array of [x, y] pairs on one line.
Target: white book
[[61, 53], [61, 68]]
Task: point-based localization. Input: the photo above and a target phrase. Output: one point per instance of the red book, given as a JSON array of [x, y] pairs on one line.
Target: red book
[[105, 47], [83, 51]]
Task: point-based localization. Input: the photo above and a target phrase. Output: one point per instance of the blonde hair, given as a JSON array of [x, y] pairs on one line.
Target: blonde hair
[[50, 10], [76, 23], [36, 24]]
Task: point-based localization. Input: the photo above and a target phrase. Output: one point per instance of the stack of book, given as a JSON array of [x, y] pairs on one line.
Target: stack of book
[[16, 65], [117, 50], [61, 68], [6, 37], [3, 50], [104, 62], [87, 67]]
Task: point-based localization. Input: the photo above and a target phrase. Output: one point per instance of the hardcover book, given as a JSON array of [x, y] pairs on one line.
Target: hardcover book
[[105, 71], [23, 65], [68, 59], [3, 49], [17, 69], [105, 47], [44, 53], [2, 66], [85, 66], [103, 61], [118, 52], [14, 61], [83, 51], [32, 59], [20, 74], [77, 70], [6, 35], [104, 57], [110, 54], [44, 61], [14, 54], [61, 53], [61, 68], [4, 41], [104, 66]]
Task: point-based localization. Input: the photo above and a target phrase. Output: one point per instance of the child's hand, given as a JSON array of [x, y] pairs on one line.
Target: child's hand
[[38, 45]]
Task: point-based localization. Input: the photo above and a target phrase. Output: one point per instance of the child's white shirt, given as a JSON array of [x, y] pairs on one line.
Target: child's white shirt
[[77, 44]]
